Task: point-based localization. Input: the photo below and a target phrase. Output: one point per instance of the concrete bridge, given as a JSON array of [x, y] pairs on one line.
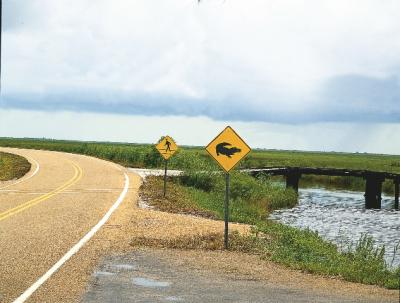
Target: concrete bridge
[[373, 184]]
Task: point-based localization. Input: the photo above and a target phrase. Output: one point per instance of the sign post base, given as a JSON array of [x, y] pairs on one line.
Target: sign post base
[[227, 189], [165, 177]]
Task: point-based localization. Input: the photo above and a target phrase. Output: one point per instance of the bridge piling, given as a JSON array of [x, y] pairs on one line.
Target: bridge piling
[[396, 194], [292, 180], [373, 191]]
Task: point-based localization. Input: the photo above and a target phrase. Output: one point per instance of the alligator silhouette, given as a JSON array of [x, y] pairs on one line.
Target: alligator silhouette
[[223, 149]]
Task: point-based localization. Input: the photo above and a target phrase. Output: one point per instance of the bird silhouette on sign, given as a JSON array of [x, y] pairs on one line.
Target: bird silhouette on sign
[[224, 149]]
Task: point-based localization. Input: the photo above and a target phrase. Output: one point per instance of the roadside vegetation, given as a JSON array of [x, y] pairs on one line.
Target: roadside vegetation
[[298, 249], [145, 155], [13, 166], [134, 155], [200, 191]]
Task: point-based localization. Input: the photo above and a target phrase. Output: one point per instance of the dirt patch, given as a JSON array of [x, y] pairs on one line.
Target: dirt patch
[[176, 200]]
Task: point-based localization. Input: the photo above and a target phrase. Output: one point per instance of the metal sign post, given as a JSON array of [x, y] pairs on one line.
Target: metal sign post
[[226, 212], [165, 177], [227, 149]]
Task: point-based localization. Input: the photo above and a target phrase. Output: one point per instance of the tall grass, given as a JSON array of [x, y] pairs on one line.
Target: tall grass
[[135, 155], [251, 199], [306, 250]]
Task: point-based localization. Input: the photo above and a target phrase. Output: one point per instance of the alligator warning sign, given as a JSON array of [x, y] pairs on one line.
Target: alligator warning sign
[[167, 147], [228, 148]]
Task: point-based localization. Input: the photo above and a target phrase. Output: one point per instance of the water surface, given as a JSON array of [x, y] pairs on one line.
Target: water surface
[[341, 217]]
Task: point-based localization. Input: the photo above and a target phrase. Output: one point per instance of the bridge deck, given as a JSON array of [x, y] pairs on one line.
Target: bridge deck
[[323, 171]]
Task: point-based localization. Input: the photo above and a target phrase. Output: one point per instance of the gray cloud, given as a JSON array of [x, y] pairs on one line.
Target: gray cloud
[[20, 14], [361, 98], [349, 98], [276, 61]]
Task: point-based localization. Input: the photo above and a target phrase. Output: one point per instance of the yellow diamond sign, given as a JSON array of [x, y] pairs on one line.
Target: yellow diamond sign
[[167, 147], [228, 149]]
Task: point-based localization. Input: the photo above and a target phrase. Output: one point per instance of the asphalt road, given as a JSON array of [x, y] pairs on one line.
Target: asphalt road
[[46, 213]]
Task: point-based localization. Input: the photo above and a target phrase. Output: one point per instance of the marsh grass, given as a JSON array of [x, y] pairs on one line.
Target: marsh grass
[[307, 251], [144, 155]]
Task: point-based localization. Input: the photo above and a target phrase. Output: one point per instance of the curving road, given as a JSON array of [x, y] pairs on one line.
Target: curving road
[[46, 213]]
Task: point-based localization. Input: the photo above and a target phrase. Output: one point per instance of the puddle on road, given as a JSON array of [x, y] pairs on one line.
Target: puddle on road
[[150, 283], [173, 299], [124, 267], [103, 273]]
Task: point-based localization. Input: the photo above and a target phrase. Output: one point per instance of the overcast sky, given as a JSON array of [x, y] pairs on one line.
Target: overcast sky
[[268, 66]]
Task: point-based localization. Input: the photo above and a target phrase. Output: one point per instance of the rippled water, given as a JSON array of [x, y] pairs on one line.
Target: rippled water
[[340, 217]]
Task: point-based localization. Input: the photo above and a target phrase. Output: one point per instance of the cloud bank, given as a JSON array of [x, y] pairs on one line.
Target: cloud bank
[[273, 61]]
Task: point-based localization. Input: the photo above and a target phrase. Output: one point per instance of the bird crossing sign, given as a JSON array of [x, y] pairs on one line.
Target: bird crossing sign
[[167, 147], [228, 149]]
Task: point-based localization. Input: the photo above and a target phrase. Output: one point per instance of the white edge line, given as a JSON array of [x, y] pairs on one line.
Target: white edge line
[[22, 298], [23, 180]]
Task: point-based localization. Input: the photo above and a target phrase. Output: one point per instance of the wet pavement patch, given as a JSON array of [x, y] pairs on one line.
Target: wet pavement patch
[[149, 276], [103, 273], [121, 267], [150, 283], [173, 299]]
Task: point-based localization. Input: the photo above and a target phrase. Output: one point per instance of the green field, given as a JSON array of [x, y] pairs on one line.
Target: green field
[[145, 155], [134, 155], [375, 162], [142, 155], [12, 166]]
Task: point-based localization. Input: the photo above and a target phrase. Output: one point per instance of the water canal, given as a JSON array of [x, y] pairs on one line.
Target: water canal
[[340, 216]]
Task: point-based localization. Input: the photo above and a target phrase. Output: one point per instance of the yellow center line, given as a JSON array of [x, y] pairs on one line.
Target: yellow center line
[[78, 173]]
